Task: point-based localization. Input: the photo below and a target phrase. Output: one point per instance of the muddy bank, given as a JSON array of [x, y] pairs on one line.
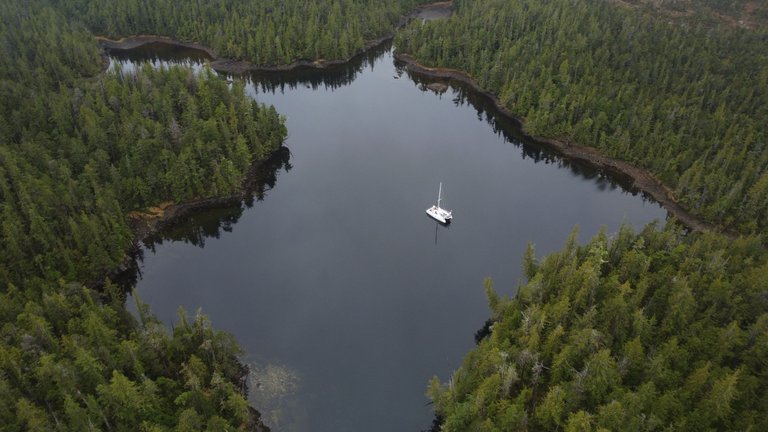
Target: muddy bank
[[439, 10], [131, 42], [226, 65], [239, 67], [640, 179]]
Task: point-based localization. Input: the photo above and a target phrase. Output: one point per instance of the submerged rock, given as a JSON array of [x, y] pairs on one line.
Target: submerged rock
[[438, 87]]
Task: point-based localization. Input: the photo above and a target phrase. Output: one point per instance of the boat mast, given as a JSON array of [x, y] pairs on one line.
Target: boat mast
[[439, 192]]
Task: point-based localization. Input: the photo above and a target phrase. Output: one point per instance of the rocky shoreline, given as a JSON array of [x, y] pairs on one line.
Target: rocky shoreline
[[640, 179], [146, 224]]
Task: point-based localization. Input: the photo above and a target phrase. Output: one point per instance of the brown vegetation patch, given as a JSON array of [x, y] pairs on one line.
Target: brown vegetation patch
[[752, 14]]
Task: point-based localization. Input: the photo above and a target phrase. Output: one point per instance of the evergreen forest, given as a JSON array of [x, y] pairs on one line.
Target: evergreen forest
[[643, 331], [656, 330], [685, 98], [265, 32], [81, 147]]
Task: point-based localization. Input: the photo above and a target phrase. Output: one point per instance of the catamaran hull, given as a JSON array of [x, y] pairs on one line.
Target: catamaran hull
[[437, 215]]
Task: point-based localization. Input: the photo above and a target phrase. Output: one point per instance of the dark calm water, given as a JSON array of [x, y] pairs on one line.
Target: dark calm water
[[345, 295]]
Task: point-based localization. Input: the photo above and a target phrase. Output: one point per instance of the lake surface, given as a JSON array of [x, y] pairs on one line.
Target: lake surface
[[346, 297]]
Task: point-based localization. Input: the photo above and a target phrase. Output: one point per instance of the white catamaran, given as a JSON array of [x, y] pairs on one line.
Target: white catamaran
[[438, 213]]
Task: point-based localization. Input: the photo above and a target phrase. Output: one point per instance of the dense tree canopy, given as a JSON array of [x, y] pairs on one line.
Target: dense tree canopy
[[79, 149], [643, 332], [686, 99], [265, 32], [72, 360], [651, 331], [80, 153]]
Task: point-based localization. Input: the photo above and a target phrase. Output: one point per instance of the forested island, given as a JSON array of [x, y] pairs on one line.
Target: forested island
[[660, 329]]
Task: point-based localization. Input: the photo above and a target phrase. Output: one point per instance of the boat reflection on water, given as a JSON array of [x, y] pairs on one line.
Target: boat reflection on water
[[438, 225]]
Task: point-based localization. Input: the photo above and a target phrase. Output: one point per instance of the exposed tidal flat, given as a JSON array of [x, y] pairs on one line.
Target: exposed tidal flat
[[346, 297]]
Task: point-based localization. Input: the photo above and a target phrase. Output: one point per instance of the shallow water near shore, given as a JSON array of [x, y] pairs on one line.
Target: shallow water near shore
[[345, 296]]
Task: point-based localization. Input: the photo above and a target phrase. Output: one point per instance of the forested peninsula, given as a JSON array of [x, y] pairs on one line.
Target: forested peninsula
[[650, 331]]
